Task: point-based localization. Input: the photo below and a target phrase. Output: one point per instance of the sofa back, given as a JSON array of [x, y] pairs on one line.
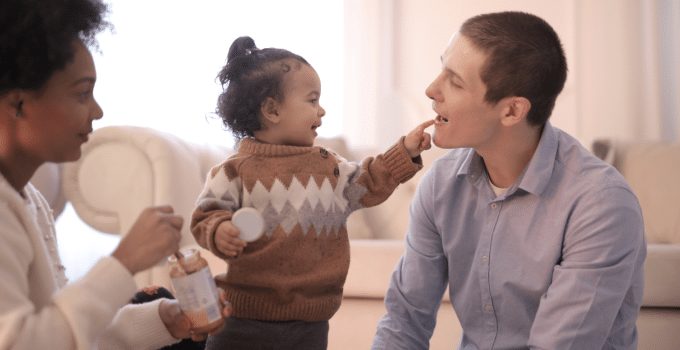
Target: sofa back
[[653, 171]]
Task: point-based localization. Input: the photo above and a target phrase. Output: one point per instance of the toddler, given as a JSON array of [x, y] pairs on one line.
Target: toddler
[[286, 285]]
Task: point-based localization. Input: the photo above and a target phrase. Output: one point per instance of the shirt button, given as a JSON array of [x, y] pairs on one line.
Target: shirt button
[[485, 258], [488, 308], [493, 205], [324, 153]]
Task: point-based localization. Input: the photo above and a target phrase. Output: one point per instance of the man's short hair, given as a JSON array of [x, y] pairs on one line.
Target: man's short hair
[[524, 58]]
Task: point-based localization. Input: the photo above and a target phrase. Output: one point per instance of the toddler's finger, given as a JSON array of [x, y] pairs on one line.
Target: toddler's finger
[[424, 125]]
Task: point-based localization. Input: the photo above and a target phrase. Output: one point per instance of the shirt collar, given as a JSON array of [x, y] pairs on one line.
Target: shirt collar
[[537, 174]]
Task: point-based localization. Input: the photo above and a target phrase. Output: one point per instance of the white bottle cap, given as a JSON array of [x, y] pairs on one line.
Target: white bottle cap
[[249, 222]]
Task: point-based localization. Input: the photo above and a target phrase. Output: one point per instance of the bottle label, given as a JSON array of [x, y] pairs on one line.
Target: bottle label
[[197, 296]]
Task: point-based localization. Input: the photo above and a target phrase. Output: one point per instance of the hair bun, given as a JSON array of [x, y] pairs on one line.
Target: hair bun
[[240, 47]]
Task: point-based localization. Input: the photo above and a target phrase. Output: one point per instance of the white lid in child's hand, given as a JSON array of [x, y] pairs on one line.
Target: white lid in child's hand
[[249, 222]]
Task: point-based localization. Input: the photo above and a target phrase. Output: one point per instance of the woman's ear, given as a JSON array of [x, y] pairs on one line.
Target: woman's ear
[[269, 110], [12, 103], [516, 109]]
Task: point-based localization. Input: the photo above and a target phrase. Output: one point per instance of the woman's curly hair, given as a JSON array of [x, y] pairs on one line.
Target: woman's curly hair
[[249, 77], [36, 38]]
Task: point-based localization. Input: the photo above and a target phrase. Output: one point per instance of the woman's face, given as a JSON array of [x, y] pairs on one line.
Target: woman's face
[[56, 120]]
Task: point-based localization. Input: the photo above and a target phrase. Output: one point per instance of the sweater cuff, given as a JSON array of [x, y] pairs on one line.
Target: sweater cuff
[[91, 302], [400, 163], [143, 321]]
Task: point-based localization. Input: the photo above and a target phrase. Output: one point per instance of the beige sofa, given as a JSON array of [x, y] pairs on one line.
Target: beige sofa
[[124, 169]]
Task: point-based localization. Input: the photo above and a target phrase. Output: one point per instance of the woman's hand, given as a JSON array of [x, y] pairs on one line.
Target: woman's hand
[[154, 236], [179, 325]]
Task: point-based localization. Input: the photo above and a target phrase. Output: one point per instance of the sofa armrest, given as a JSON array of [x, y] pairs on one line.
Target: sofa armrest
[[124, 169], [371, 266], [372, 262], [662, 279]]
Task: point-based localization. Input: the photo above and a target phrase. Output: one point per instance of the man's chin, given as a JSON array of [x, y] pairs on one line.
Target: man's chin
[[438, 141]]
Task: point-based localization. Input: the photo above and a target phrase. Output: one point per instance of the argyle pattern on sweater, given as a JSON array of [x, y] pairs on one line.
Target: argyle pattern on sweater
[[305, 194]]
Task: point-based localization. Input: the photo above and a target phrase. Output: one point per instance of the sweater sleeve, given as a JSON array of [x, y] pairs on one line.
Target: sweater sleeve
[[70, 318], [220, 198], [374, 180], [76, 316], [137, 326]]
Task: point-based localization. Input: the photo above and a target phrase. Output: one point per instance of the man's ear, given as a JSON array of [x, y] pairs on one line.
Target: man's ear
[[516, 109], [269, 110]]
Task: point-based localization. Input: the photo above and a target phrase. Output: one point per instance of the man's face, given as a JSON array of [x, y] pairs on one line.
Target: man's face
[[463, 119]]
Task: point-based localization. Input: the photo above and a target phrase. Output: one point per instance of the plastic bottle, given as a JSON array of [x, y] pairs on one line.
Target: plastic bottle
[[195, 290]]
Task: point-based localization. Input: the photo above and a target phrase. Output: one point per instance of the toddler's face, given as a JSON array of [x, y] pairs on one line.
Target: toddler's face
[[300, 111]]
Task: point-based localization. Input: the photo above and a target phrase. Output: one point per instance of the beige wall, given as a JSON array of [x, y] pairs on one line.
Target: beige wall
[[608, 91]]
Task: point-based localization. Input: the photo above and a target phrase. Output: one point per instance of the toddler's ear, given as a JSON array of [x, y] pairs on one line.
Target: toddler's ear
[[270, 111]]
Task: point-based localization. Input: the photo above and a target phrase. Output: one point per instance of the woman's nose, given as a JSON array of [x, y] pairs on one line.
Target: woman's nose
[[98, 112]]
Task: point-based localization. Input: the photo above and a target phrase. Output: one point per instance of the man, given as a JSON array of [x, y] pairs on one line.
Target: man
[[540, 243]]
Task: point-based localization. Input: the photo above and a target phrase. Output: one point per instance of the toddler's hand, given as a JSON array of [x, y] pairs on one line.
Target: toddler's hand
[[418, 140], [227, 240]]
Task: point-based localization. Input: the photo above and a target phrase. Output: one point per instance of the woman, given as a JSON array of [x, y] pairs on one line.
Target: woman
[[47, 107]]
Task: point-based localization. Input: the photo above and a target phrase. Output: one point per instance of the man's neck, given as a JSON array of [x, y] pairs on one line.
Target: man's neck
[[506, 160]]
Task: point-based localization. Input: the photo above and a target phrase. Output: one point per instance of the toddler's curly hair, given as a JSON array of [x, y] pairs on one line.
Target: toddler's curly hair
[[249, 77]]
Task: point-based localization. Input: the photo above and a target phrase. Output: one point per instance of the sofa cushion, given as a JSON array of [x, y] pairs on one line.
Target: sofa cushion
[[662, 279], [653, 171]]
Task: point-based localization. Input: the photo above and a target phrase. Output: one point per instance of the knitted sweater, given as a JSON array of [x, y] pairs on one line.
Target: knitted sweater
[[297, 269], [38, 310]]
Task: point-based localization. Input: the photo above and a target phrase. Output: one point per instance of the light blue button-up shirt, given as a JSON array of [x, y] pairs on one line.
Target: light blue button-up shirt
[[556, 262]]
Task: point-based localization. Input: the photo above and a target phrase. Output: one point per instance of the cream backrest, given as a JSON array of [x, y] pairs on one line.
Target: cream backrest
[[653, 171], [124, 169]]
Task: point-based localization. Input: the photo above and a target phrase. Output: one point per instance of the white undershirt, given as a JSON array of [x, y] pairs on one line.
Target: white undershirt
[[497, 190]]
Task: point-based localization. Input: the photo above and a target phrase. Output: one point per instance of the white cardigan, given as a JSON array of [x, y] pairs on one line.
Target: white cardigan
[[39, 311]]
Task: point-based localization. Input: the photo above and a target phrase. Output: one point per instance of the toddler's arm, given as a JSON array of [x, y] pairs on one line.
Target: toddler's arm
[[211, 220], [374, 180]]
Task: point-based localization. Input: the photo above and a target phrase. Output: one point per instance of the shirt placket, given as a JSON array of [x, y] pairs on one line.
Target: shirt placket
[[488, 312]]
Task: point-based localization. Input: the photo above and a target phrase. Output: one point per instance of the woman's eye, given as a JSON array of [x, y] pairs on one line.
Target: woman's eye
[[84, 95]]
